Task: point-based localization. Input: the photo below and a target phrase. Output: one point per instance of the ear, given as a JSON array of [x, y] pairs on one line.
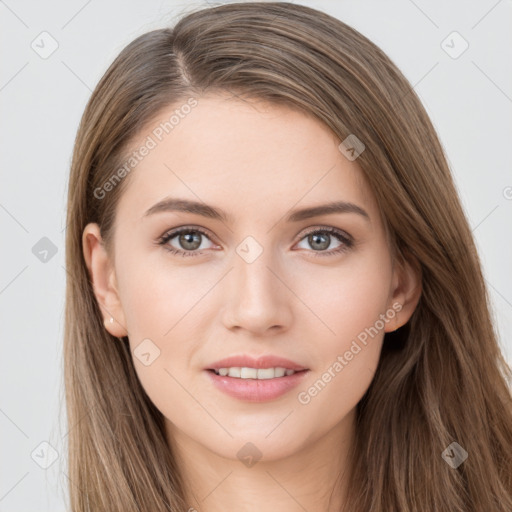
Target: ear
[[406, 290], [102, 273]]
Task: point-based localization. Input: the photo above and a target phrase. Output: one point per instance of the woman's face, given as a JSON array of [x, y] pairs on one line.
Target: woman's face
[[257, 275]]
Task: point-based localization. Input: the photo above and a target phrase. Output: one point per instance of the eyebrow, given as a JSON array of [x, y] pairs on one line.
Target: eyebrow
[[170, 204]]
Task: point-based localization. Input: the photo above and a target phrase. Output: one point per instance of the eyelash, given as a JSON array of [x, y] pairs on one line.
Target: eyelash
[[345, 239]]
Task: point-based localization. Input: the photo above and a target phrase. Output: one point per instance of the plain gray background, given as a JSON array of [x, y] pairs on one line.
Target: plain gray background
[[468, 96]]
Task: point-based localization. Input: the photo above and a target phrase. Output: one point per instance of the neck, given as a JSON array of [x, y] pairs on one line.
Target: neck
[[312, 478]]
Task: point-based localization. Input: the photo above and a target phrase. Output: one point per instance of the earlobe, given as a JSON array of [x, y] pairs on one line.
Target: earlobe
[[102, 274], [406, 291]]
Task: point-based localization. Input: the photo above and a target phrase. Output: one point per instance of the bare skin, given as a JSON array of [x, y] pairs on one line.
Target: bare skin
[[298, 299]]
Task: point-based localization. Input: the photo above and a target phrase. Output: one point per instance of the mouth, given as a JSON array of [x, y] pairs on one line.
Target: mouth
[[256, 385], [266, 366], [255, 378], [244, 372]]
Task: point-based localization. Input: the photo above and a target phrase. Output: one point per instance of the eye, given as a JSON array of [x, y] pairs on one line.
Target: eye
[[189, 240], [320, 239], [190, 243]]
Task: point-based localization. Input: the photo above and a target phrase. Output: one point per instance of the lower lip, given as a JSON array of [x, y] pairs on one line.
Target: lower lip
[[256, 390]]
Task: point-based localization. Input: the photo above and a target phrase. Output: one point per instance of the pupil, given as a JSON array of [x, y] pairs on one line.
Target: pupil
[[314, 240], [190, 240]]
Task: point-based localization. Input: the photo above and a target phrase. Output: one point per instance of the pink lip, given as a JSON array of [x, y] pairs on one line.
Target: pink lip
[[268, 361], [255, 390]]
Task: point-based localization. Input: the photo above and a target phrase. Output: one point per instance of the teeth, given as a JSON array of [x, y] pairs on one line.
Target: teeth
[[253, 373]]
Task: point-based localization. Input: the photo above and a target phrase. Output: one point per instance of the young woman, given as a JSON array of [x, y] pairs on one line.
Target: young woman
[[274, 300]]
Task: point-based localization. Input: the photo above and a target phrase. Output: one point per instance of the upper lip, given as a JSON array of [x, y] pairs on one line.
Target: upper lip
[[247, 361]]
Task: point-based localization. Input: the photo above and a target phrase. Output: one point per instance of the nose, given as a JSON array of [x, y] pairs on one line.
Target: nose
[[257, 298]]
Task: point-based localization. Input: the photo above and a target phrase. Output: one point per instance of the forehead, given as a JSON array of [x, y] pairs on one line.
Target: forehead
[[245, 156]]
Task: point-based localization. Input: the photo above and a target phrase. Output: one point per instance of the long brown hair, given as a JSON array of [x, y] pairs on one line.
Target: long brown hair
[[441, 378]]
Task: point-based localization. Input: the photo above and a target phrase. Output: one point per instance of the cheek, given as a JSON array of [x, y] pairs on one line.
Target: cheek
[[347, 299], [165, 307], [160, 305], [155, 295], [350, 303]]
